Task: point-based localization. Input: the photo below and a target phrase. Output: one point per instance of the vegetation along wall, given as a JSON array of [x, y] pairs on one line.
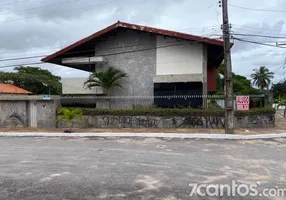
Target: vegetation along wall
[[171, 118]]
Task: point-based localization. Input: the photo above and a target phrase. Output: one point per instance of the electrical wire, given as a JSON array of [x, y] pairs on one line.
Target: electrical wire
[[70, 10], [255, 9], [256, 28], [255, 35], [283, 65], [108, 54], [22, 58], [258, 32], [7, 4], [16, 65], [259, 43], [91, 50], [34, 8]]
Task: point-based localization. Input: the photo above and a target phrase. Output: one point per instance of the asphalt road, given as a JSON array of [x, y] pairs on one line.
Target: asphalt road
[[84, 168]]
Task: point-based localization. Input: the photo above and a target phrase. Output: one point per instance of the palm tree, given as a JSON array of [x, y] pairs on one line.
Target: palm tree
[[107, 79], [69, 115], [261, 78]]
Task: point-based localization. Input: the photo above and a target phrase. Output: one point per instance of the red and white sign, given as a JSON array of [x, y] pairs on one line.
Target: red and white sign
[[242, 102]]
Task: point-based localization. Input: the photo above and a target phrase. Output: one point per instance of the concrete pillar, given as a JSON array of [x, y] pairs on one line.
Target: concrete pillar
[[205, 75]]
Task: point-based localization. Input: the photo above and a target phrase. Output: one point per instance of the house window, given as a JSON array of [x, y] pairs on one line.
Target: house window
[[166, 94]]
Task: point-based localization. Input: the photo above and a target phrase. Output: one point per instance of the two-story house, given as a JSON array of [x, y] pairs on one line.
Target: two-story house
[[158, 62]]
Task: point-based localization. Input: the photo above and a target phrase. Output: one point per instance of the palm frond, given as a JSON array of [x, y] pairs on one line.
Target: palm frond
[[107, 79], [262, 77], [67, 114]]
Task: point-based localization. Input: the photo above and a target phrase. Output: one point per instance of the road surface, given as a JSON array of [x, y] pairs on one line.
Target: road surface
[[98, 168]]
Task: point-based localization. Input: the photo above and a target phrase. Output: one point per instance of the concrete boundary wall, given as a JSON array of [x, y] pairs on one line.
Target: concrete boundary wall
[[31, 111], [215, 122]]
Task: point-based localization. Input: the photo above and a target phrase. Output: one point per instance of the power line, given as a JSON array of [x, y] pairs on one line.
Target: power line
[[255, 28], [16, 65], [283, 65], [259, 43], [255, 35], [22, 58], [70, 10], [34, 8], [204, 34], [255, 9], [257, 31], [7, 4], [106, 54], [91, 50]]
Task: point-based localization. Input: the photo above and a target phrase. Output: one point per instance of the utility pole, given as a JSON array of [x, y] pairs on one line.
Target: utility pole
[[229, 113]]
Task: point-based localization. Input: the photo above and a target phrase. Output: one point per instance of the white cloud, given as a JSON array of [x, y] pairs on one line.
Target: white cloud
[[45, 30]]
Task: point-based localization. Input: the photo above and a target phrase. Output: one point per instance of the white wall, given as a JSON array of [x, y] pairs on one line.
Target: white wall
[[185, 58], [76, 86]]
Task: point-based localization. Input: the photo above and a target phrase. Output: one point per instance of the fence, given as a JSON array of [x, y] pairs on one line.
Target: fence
[[128, 102]]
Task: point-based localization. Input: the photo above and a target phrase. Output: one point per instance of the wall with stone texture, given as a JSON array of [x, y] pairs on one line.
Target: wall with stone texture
[[214, 122], [16, 113], [13, 114], [138, 63]]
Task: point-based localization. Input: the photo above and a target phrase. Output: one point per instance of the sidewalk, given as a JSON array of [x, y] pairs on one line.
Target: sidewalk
[[278, 131], [148, 130], [145, 135]]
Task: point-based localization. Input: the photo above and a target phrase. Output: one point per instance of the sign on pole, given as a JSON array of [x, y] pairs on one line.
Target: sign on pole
[[242, 102]]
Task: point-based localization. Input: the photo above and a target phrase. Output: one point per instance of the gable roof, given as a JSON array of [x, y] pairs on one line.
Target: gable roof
[[138, 28], [12, 89]]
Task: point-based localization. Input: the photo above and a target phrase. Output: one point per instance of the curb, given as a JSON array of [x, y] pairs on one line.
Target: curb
[[147, 135]]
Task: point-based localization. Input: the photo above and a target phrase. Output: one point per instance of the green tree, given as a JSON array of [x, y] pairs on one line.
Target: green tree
[[262, 78], [69, 115], [279, 90], [33, 79], [241, 85], [108, 79]]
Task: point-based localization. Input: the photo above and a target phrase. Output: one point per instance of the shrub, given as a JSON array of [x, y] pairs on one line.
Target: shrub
[[170, 112]]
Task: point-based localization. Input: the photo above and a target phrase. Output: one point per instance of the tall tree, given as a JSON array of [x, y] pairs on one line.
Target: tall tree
[[262, 78], [241, 85], [279, 90], [33, 79], [108, 79]]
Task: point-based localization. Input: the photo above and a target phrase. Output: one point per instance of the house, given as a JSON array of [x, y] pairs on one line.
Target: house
[[158, 62], [12, 89]]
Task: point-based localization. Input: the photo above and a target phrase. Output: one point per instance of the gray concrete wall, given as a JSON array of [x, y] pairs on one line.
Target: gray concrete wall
[[13, 114], [139, 64], [76, 86], [46, 114], [214, 122], [16, 113]]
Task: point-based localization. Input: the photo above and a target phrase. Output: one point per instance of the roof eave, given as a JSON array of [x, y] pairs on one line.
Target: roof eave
[[133, 27]]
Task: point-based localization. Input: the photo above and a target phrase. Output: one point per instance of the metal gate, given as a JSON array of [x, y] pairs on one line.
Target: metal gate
[[33, 114]]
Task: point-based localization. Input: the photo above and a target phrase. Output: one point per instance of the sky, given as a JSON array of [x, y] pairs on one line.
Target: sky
[[40, 27]]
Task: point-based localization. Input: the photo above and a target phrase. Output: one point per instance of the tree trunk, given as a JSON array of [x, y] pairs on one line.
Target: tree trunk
[[70, 127], [108, 95], [285, 111], [261, 99]]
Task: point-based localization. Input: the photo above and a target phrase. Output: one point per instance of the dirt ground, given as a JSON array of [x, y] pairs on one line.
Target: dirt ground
[[279, 128]]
